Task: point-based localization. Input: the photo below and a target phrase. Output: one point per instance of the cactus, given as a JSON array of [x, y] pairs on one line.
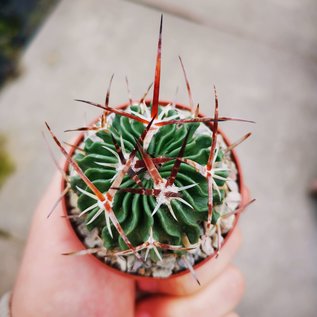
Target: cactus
[[152, 178]]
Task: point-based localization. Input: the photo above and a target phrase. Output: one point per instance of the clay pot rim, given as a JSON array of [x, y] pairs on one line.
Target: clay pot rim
[[242, 189]]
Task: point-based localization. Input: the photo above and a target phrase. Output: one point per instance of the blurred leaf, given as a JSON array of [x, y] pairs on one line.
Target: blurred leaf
[[6, 166]]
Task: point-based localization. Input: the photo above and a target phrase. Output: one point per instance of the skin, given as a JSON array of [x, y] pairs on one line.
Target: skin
[[50, 284]]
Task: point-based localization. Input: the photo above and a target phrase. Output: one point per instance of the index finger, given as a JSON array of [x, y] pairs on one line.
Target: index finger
[[185, 284]]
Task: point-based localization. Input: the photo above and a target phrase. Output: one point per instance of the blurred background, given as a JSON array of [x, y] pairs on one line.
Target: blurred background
[[262, 56]]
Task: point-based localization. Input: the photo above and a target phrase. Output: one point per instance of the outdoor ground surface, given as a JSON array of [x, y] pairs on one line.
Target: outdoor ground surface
[[263, 59]]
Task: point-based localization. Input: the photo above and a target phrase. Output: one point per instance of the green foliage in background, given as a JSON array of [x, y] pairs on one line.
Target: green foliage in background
[[19, 20], [6, 164]]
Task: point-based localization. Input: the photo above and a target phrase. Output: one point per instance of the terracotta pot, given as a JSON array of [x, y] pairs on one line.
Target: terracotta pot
[[183, 274]]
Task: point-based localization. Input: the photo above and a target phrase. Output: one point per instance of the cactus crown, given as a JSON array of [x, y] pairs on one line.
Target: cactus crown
[[152, 178]]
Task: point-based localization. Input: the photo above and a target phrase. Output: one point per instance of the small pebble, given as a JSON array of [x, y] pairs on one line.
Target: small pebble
[[226, 224], [233, 200], [130, 262], [233, 186], [161, 272], [83, 230], [136, 265], [206, 246], [120, 262], [167, 262], [215, 240], [92, 240], [73, 198], [141, 271], [211, 231]]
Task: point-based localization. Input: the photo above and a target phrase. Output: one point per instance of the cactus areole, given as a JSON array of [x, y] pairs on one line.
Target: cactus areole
[[153, 188]]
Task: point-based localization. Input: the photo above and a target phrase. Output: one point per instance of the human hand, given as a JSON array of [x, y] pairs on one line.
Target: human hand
[[49, 284]]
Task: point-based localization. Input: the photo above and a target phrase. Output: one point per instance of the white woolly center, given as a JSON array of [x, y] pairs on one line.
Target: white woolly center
[[162, 198]]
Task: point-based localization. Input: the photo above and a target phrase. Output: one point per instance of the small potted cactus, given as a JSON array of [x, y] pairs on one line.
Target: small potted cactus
[[152, 188]]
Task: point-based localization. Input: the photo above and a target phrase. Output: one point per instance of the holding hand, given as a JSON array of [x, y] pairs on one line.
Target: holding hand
[[50, 284]]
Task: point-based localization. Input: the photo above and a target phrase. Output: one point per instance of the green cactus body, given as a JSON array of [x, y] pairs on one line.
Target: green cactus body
[[100, 163]]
